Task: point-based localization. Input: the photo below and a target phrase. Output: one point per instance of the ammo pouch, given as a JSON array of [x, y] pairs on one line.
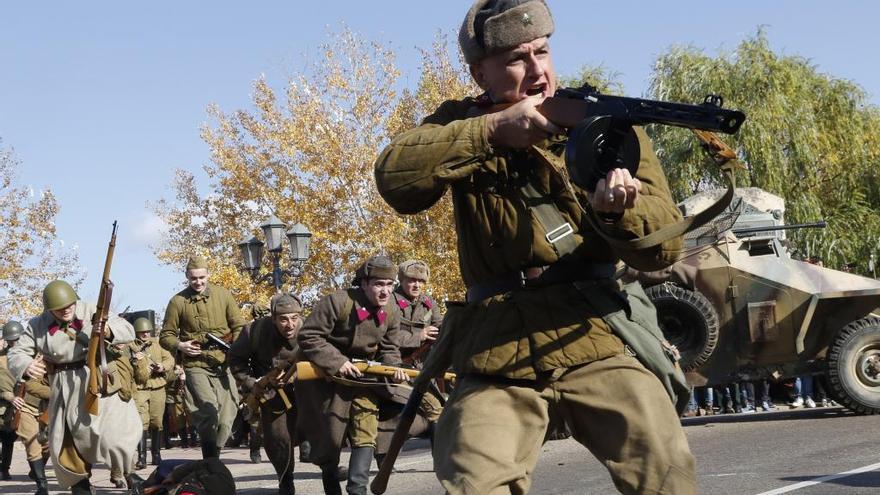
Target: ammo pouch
[[627, 310]]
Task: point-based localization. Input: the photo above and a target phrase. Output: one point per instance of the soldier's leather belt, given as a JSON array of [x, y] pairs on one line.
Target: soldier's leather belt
[[56, 367], [541, 276]]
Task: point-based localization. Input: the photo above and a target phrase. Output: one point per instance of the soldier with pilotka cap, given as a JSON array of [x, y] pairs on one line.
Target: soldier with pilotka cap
[[549, 331], [199, 310], [355, 323], [265, 346]]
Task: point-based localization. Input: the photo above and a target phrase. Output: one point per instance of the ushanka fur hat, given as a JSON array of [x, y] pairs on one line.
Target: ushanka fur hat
[[492, 26]]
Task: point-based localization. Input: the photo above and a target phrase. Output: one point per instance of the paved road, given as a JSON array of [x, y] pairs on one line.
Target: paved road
[[802, 452]]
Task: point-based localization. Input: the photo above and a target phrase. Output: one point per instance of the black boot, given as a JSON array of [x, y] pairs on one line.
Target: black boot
[[305, 451], [209, 449], [330, 480], [135, 484], [184, 438], [194, 439], [39, 469], [6, 460], [359, 470], [83, 487], [155, 447], [254, 443], [285, 485], [142, 452]]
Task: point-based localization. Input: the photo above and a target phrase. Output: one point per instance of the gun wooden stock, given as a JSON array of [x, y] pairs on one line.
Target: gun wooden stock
[[97, 348], [306, 370], [20, 391], [401, 433]]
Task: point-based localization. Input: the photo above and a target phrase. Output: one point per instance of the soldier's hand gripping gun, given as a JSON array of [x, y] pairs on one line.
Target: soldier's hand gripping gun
[[96, 358], [275, 379], [214, 342]]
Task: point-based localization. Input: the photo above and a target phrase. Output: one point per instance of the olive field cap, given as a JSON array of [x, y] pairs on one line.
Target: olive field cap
[[12, 330], [196, 263], [493, 26], [282, 304], [58, 294], [414, 269]]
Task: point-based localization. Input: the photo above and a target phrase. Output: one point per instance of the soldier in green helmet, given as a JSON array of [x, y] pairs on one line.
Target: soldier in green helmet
[[152, 364], [199, 310], [11, 332], [549, 330], [56, 343], [31, 429]]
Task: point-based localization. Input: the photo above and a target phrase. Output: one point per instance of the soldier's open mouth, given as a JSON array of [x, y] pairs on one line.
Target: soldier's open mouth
[[537, 90]]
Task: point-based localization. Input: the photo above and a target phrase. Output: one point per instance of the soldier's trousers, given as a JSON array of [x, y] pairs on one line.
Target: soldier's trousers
[[29, 434], [151, 406], [491, 431], [363, 421], [213, 403], [279, 435]]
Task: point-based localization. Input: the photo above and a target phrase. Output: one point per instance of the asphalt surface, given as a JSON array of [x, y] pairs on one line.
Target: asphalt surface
[[803, 451]]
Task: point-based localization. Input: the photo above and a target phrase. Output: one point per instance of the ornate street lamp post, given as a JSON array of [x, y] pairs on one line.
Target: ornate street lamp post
[[273, 229]]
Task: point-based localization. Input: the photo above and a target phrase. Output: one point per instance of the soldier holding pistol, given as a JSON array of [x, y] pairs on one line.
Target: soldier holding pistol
[[199, 310]]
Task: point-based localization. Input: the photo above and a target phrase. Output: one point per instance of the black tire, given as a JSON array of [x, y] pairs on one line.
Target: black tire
[[855, 380], [688, 321]]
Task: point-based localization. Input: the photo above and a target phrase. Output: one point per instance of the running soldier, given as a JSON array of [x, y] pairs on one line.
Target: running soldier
[[56, 342], [200, 310], [357, 323], [264, 350]]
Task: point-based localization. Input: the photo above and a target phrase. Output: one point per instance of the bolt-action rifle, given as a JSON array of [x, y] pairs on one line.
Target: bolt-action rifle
[[306, 370], [96, 359]]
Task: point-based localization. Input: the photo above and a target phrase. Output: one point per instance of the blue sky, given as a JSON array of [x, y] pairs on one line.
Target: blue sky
[[101, 101]]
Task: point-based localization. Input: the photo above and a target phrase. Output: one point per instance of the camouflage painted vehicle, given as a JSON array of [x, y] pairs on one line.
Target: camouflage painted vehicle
[[741, 308]]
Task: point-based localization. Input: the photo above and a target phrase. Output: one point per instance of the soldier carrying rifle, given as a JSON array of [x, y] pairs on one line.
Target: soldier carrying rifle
[[263, 361], [56, 342], [360, 323]]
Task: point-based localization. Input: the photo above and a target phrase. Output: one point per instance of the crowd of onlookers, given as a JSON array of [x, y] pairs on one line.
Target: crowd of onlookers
[[806, 391]]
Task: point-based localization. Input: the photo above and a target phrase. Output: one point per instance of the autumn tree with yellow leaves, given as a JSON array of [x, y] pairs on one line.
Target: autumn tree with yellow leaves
[[31, 255], [306, 155]]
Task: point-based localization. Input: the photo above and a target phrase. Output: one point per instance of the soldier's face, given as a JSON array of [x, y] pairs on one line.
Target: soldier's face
[[64, 314], [287, 324], [197, 278], [412, 287], [378, 290], [143, 335], [518, 73]]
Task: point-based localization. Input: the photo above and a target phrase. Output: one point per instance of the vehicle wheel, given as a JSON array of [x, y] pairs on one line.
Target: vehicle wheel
[[854, 366], [688, 321]]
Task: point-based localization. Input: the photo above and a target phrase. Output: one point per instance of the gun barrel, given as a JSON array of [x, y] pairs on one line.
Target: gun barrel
[[752, 230], [217, 341]]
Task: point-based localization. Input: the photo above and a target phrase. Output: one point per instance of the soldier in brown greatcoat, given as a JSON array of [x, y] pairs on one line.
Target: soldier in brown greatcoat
[[264, 346], [353, 323]]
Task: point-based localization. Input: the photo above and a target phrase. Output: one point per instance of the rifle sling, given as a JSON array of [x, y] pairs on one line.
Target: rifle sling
[[655, 238]]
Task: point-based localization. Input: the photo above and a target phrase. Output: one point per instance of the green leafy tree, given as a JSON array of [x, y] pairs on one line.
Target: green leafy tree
[[809, 137]]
